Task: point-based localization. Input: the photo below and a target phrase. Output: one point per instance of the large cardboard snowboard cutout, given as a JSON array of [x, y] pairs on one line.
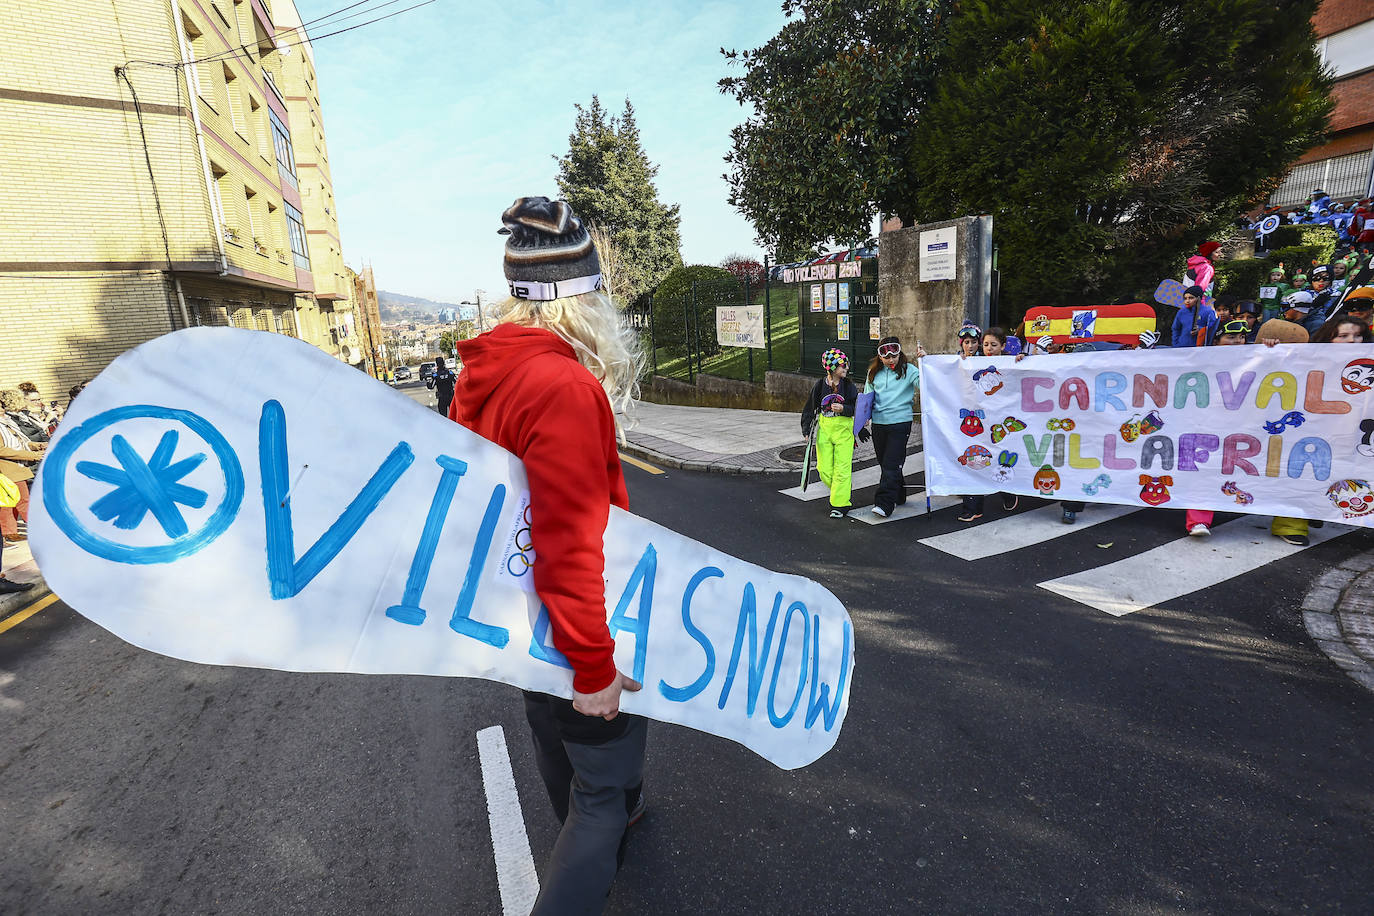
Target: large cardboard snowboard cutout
[[240, 498]]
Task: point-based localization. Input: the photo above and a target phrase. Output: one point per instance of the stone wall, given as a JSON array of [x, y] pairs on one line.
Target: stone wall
[[932, 312]]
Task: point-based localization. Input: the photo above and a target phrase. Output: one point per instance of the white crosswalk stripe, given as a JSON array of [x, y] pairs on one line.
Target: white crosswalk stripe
[[864, 477], [915, 507], [1014, 532], [1182, 566]]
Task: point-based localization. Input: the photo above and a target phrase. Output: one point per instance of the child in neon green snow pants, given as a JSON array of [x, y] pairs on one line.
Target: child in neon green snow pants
[[831, 409]]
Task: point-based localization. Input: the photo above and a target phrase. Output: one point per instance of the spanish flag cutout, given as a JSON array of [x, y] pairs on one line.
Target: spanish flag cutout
[[1113, 323]]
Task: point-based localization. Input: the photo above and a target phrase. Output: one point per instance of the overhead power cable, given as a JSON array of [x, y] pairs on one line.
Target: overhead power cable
[[233, 52]]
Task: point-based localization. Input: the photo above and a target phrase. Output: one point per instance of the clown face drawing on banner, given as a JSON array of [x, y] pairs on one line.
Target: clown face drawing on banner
[[1358, 376], [1353, 497]]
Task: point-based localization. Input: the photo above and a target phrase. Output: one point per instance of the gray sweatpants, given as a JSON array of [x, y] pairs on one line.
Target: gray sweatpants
[[593, 771]]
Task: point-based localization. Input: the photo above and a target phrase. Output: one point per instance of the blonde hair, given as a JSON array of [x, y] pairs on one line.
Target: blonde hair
[[590, 324], [12, 399]]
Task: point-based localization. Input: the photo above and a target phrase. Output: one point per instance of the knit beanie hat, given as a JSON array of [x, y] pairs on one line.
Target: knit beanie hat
[[1195, 291], [1207, 248], [549, 254], [833, 359]]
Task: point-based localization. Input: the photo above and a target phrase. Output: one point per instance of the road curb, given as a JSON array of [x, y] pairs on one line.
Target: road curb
[[722, 465], [1338, 613]]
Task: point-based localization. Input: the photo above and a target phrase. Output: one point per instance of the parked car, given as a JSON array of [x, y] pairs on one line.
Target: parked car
[[402, 374], [426, 370]]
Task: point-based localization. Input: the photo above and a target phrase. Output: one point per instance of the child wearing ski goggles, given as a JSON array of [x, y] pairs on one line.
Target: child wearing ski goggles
[[894, 380]]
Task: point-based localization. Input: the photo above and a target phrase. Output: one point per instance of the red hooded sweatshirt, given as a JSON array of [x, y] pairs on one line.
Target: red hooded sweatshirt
[[524, 389]]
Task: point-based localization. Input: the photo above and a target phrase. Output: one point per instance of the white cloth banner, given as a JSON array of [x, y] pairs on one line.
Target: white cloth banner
[[240, 498], [740, 326], [1271, 431]]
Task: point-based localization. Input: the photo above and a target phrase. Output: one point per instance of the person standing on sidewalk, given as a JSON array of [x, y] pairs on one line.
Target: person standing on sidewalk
[[894, 380], [441, 383], [16, 464], [831, 408], [546, 384]]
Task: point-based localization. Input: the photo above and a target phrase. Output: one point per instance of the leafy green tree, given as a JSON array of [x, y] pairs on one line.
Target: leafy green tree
[[835, 98], [1108, 137], [609, 180]]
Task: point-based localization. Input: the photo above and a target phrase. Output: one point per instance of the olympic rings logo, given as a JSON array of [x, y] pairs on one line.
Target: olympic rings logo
[[521, 559]]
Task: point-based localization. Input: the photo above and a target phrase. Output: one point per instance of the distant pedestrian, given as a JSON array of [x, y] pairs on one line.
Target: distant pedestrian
[[38, 408], [894, 381], [12, 401], [16, 465], [546, 384], [831, 407], [441, 383]]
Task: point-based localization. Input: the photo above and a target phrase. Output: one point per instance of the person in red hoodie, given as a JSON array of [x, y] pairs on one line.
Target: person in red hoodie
[[546, 384]]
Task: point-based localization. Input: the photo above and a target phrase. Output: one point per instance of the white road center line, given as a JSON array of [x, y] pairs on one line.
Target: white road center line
[[867, 477], [1182, 567], [515, 874], [1014, 532]]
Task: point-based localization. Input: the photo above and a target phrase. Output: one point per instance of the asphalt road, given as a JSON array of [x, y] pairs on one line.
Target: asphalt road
[[1007, 750]]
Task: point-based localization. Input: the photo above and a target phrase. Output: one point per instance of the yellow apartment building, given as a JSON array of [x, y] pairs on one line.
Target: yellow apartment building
[[150, 182]]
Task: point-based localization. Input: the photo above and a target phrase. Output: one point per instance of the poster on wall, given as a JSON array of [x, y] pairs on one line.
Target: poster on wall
[[841, 327], [875, 328], [1282, 431], [832, 299], [844, 297], [233, 497], [740, 326], [815, 297], [938, 253]]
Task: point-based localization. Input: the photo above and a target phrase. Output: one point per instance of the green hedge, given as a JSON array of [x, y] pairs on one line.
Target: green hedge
[[1297, 248], [714, 286], [1291, 236], [1242, 279]]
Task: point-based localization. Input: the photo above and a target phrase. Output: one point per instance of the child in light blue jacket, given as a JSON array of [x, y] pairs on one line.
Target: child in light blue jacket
[[894, 380]]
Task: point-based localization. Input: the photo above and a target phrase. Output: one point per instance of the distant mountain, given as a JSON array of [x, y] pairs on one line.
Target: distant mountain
[[397, 307]]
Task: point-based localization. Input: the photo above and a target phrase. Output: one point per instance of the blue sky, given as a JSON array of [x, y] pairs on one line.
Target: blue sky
[[438, 118]]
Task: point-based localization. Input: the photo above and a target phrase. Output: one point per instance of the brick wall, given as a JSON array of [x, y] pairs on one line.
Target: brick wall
[[1354, 102], [1335, 15], [57, 330]]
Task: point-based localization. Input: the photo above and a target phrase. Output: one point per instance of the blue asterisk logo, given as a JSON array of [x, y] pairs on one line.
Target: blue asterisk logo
[[142, 486]]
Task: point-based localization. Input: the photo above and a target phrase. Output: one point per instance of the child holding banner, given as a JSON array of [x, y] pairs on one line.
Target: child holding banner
[[893, 379], [831, 406], [1342, 329]]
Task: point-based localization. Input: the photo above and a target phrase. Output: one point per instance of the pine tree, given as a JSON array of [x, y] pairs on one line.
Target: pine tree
[[609, 180]]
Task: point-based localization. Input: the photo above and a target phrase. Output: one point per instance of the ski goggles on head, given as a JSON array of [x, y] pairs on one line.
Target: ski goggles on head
[[890, 351], [971, 331]]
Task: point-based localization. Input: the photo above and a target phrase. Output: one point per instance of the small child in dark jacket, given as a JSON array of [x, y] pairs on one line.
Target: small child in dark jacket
[[831, 408]]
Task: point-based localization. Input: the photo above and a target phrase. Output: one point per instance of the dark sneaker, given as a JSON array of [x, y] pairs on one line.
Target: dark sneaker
[[9, 586], [1010, 502], [836, 513], [1068, 517], [970, 516], [1297, 540]]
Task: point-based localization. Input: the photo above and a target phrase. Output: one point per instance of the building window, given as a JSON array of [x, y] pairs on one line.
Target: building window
[[295, 228], [236, 112], [1340, 176], [281, 141]]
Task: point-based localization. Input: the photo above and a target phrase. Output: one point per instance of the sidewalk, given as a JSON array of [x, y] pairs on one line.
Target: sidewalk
[[724, 440], [1338, 613]]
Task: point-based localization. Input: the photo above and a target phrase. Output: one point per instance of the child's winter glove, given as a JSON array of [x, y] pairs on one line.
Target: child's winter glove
[[865, 435]]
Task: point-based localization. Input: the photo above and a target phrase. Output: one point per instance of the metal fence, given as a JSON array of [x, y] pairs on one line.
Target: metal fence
[[678, 333]]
